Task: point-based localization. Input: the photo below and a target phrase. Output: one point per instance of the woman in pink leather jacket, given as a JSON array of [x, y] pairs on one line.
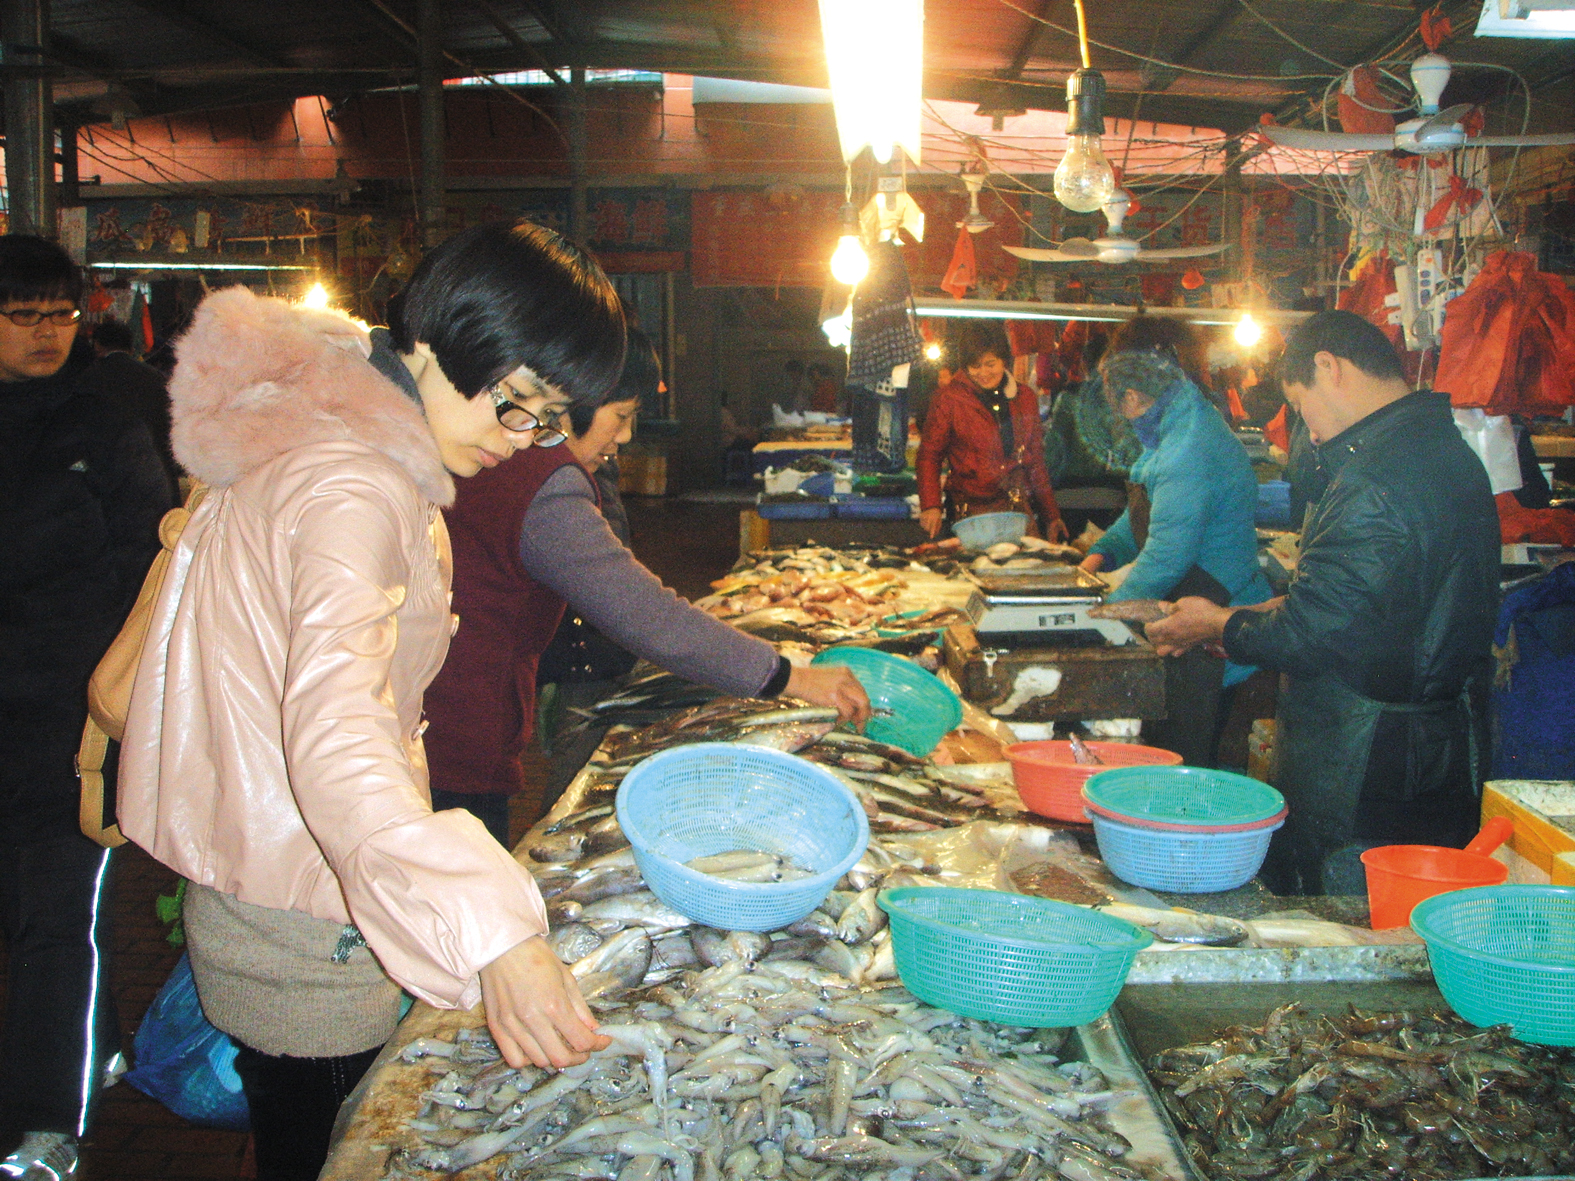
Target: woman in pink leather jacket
[[273, 752]]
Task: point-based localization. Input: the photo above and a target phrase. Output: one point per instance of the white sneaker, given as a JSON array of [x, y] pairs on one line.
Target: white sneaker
[[42, 1156], [114, 1070]]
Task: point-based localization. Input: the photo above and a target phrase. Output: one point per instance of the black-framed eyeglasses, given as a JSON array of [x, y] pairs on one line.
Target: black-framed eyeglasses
[[32, 317], [515, 417]]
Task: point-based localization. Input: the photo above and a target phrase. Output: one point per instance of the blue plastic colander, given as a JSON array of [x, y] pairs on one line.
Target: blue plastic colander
[[1185, 862], [1505, 955], [1006, 957], [922, 709], [717, 797]]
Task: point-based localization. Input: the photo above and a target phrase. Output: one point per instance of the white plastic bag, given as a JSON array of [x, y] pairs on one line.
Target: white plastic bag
[[1492, 437]]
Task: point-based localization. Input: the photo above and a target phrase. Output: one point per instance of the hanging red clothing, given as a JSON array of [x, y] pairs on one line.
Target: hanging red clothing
[[960, 432]]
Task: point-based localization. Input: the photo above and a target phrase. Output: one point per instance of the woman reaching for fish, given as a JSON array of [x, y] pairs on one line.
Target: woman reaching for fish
[[273, 752], [528, 538]]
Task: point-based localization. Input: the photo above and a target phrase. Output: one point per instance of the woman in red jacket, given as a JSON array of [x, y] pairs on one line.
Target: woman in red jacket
[[985, 428]]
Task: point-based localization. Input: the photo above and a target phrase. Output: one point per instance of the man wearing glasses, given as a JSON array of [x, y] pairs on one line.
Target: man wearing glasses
[[81, 493]]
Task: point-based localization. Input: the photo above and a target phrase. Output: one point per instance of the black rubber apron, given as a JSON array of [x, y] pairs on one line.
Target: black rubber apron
[[1418, 785]]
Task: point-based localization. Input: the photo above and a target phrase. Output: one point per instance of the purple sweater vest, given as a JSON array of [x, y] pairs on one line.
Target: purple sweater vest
[[481, 708]]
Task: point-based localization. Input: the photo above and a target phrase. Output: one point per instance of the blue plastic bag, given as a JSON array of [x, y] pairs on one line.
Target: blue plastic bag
[[184, 1062]]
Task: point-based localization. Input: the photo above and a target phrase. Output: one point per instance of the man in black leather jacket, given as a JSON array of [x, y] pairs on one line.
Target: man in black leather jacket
[[1383, 638]]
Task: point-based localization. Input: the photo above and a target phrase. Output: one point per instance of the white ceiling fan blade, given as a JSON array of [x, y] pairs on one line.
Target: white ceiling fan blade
[[1039, 254], [1442, 121], [1552, 139], [1183, 252], [1325, 141]]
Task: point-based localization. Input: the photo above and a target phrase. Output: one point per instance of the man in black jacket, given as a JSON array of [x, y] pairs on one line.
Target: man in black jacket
[[1384, 636], [81, 493]]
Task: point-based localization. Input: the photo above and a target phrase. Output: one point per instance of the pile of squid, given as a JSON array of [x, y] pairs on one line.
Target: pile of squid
[[1418, 1096], [776, 1069]]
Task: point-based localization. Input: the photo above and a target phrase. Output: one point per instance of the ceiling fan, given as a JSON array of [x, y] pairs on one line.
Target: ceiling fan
[[1433, 130], [1114, 247]]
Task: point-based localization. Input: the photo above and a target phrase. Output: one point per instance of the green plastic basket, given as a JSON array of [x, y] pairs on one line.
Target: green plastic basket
[[922, 709], [1505, 955], [1183, 798], [1009, 958]]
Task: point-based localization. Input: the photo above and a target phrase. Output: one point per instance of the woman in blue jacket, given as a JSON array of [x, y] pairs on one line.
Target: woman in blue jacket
[[1188, 528]]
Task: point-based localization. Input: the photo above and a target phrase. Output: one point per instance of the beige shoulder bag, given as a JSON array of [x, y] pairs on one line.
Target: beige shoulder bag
[[109, 689]]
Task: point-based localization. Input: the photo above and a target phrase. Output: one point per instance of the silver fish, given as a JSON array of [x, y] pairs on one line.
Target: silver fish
[[640, 908], [862, 918], [558, 847], [719, 947], [573, 941], [625, 958]]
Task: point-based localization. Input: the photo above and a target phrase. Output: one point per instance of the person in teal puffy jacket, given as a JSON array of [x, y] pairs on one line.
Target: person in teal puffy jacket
[[1188, 529]]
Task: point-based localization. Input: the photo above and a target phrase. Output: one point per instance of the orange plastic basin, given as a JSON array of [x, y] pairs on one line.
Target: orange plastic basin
[[1050, 781]]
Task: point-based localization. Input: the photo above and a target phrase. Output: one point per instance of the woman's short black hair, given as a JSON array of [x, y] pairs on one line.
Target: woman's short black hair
[[975, 338], [1345, 335], [35, 269], [505, 294], [642, 373]]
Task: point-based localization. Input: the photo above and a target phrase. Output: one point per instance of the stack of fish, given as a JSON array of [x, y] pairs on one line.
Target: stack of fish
[[818, 596], [1419, 1096], [780, 1069]]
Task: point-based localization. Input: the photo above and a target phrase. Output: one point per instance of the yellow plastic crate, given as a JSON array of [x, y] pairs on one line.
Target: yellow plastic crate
[[1543, 812]]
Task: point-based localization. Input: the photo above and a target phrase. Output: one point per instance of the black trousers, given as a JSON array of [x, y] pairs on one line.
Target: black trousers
[[59, 1025], [491, 809], [293, 1104]]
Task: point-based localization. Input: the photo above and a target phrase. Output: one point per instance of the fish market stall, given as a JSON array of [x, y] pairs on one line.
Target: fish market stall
[[798, 1051]]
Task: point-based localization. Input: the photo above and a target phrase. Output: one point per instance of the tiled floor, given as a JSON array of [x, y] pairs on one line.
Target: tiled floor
[[133, 1137]]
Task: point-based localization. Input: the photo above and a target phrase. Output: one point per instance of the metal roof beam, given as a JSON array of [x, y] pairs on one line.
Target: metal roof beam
[[178, 14], [547, 14], [1032, 42], [511, 35]]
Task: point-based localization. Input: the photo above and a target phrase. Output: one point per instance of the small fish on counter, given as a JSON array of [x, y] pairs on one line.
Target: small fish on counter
[[771, 1069], [1416, 1096], [1132, 611]]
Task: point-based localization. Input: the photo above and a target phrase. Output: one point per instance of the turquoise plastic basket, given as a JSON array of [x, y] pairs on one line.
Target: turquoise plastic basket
[[922, 709], [715, 797], [987, 529], [1183, 798], [1009, 958], [1505, 955]]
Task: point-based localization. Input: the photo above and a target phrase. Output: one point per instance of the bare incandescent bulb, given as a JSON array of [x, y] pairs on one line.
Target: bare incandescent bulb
[[1084, 179], [1248, 332], [849, 263]]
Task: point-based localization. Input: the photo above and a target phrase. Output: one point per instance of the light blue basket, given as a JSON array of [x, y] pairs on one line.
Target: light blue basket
[[716, 797], [1183, 862], [989, 529]]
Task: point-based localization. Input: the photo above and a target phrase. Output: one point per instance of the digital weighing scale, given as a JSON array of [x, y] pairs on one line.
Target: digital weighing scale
[[1043, 608]]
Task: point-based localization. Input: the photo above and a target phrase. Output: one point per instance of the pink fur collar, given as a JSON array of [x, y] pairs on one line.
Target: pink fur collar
[[257, 377]]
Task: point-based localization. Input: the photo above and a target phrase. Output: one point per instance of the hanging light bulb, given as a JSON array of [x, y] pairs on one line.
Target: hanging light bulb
[[932, 351], [849, 263], [1248, 331], [1084, 179], [316, 297]]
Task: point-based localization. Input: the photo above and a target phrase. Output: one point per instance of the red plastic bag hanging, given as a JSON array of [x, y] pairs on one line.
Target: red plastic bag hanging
[[1509, 340], [963, 272]]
